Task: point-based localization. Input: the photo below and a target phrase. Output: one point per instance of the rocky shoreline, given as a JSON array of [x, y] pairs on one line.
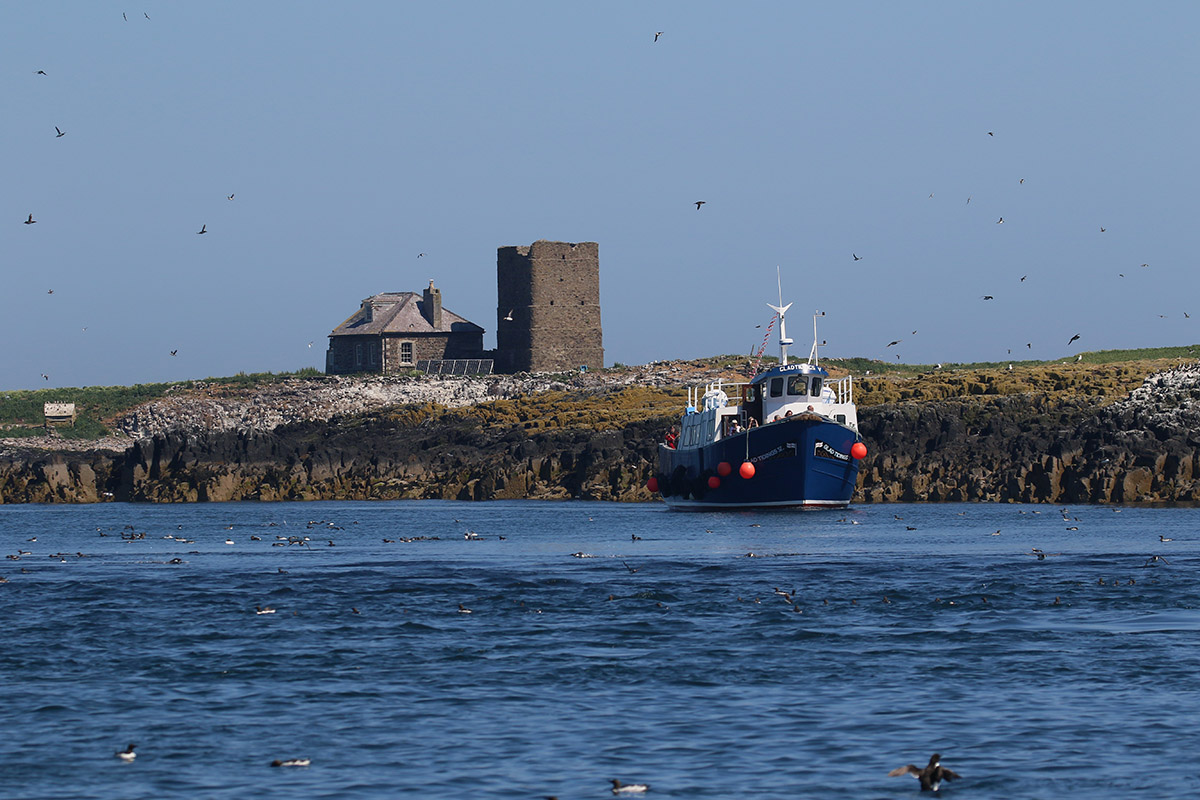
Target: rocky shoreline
[[352, 438]]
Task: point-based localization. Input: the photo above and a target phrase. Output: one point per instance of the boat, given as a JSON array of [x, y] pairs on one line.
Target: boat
[[786, 438]]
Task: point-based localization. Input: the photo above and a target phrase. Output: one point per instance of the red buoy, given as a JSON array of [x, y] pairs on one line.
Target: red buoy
[[859, 450], [746, 470], [652, 484], [724, 468], [714, 482]]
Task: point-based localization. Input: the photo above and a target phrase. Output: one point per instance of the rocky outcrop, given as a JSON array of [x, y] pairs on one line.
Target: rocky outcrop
[[1028, 448], [1021, 448]]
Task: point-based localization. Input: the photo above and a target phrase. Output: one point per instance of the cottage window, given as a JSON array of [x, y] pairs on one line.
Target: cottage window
[[374, 353], [406, 353], [358, 355]]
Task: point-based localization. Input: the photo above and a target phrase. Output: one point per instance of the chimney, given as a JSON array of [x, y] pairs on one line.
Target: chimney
[[431, 309]]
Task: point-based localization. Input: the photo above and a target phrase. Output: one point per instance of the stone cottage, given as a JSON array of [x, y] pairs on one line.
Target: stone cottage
[[392, 331]]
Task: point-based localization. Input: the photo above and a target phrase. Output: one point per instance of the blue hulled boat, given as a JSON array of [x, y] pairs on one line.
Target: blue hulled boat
[[788, 437]]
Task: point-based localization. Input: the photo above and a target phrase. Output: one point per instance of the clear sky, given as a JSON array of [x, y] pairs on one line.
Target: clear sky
[[354, 136]]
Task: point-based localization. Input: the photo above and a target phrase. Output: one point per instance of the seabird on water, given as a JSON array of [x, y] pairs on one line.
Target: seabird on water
[[629, 788], [291, 762], [127, 754], [931, 776]]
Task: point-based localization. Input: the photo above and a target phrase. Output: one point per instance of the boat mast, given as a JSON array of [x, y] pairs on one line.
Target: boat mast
[[780, 309], [812, 356]]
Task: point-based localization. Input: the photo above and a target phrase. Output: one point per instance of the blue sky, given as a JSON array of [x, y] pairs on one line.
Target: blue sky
[[357, 135]]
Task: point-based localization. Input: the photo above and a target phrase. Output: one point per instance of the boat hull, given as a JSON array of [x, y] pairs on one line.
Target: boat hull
[[798, 462]]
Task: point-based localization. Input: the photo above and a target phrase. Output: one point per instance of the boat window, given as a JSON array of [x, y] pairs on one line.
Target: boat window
[[797, 385], [816, 386], [841, 418], [776, 387]]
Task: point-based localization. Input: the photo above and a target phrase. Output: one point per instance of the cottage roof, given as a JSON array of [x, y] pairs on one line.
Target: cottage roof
[[399, 313]]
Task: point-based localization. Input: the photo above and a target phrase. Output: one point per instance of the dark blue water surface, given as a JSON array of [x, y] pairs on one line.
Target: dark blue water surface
[[667, 659]]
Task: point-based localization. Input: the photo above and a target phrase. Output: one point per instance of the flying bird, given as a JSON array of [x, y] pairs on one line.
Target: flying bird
[[856, 257], [31, 220], [49, 291], [1103, 229], [231, 196], [1000, 221], [988, 297], [991, 134], [1029, 345], [889, 344], [420, 255], [124, 17], [59, 133], [40, 72], [45, 377], [700, 203], [1144, 265], [1186, 315], [1021, 181], [144, 14], [310, 344], [1023, 277], [657, 34], [1073, 338], [508, 317], [968, 199], [203, 229], [931, 776], [174, 352]]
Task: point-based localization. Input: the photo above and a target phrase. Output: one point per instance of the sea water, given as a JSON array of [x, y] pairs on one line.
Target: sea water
[[752, 654]]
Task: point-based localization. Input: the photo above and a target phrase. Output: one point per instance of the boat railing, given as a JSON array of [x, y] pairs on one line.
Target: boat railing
[[732, 390], [844, 389]]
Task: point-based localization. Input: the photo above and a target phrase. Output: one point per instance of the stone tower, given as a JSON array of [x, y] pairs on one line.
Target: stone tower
[[548, 309]]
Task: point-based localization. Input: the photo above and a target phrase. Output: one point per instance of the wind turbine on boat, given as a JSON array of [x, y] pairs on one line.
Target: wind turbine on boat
[[780, 309]]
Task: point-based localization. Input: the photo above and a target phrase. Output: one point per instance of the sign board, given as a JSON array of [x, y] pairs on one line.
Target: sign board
[[59, 412]]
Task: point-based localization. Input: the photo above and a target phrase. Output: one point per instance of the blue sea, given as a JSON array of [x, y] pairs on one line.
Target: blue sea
[[730, 655]]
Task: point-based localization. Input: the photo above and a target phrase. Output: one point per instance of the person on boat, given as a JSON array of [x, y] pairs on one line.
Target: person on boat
[[753, 423], [671, 437], [789, 413], [734, 427]]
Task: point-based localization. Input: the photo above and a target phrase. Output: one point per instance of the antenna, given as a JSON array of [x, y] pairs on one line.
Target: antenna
[[812, 356]]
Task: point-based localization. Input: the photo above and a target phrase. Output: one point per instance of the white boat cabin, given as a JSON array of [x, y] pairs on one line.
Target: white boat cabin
[[778, 393]]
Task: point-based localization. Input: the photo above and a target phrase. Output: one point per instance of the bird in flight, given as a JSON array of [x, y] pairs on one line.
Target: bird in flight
[[144, 14], [45, 376], [509, 318], [1186, 315], [420, 255], [1023, 277], [856, 257], [203, 229], [1072, 339], [657, 34], [889, 344], [231, 196], [1103, 229], [124, 17], [31, 220], [49, 291], [991, 134], [174, 352], [1144, 265], [968, 199], [40, 72], [59, 133], [700, 203], [1021, 181], [1000, 221], [988, 297], [1029, 345], [310, 344]]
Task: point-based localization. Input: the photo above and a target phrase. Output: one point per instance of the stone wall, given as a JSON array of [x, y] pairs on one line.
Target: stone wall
[[552, 290]]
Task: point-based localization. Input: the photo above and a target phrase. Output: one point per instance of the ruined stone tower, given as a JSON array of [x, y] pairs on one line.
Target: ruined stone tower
[[548, 307]]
